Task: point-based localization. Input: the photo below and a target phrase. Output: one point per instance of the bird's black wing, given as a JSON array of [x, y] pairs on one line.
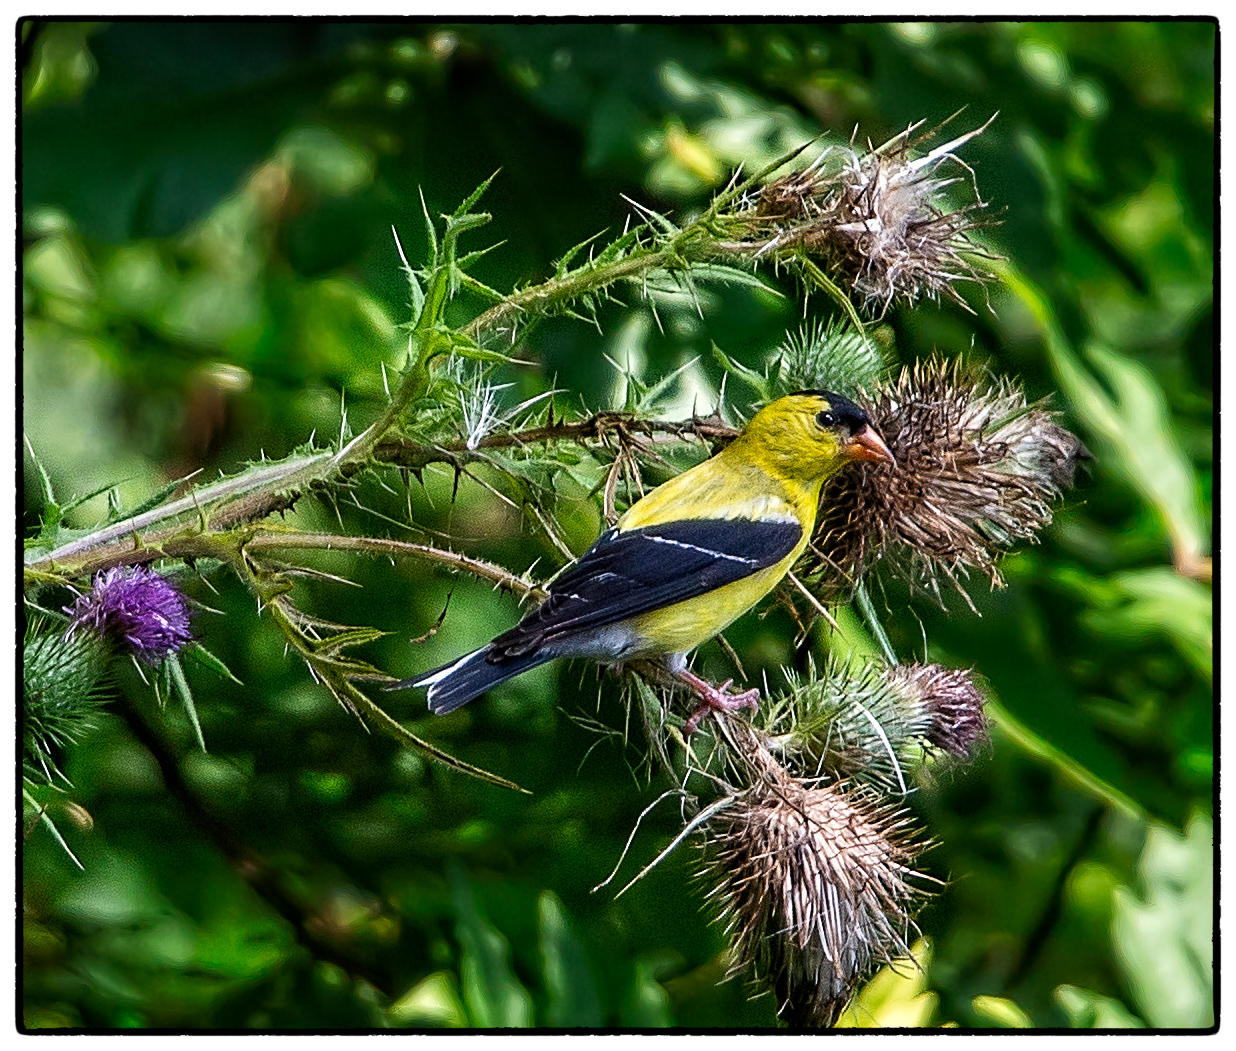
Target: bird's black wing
[[640, 570]]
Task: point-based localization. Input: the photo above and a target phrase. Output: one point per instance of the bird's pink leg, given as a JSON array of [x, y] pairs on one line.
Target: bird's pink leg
[[715, 699]]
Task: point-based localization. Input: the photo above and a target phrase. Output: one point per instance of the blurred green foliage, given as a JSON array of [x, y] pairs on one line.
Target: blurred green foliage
[[208, 274]]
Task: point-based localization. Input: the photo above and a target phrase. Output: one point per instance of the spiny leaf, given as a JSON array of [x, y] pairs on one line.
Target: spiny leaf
[[762, 385], [562, 264], [49, 495], [206, 659], [473, 197], [378, 716], [181, 686], [649, 396], [78, 501], [153, 501]]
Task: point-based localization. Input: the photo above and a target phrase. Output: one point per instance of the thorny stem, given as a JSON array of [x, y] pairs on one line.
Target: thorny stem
[[865, 606], [185, 528], [212, 521], [262, 491], [395, 549], [598, 427], [337, 673], [558, 291], [693, 243]]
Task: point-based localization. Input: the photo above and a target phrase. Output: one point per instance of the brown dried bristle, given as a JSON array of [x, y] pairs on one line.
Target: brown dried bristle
[[951, 704], [815, 888], [976, 471], [877, 221]]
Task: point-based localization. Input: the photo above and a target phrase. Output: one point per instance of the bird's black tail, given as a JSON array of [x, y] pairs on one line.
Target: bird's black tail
[[455, 684]]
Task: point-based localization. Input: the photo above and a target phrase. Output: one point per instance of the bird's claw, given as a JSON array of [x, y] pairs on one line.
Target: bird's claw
[[716, 699]]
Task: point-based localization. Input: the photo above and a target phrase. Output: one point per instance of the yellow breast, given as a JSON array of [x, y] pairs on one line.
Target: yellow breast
[[686, 625]]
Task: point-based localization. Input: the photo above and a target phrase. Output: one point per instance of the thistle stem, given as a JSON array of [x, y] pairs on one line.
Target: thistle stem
[[865, 606]]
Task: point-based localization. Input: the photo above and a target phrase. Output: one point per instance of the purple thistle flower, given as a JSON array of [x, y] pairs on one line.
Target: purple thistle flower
[[951, 702], [137, 607]]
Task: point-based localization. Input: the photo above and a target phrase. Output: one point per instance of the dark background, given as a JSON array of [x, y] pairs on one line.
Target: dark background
[[208, 269]]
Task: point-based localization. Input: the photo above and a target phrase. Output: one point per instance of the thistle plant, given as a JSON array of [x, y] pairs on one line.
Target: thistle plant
[[133, 605], [800, 811], [815, 885], [978, 469]]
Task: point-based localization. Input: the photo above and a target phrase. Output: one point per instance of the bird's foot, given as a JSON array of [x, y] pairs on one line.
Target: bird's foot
[[715, 699]]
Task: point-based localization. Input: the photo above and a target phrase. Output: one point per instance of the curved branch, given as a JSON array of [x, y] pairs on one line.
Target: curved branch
[[265, 541]]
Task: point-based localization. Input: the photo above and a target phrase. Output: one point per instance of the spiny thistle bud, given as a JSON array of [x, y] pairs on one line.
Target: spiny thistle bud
[[138, 608], [874, 723], [952, 706], [832, 356], [62, 686], [814, 886], [877, 220], [849, 722], [977, 469]]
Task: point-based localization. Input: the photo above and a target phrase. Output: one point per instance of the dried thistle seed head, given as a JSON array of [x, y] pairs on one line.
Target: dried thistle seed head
[[878, 220], [950, 704], [814, 885], [977, 470], [137, 608]]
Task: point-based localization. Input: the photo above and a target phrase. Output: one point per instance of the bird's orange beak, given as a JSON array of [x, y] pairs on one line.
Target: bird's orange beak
[[867, 445]]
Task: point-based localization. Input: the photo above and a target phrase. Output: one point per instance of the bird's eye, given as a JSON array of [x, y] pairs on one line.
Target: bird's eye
[[826, 419]]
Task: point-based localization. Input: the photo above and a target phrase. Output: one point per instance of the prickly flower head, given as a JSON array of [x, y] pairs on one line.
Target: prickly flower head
[[139, 609], [977, 471], [952, 716], [878, 221], [815, 887], [873, 722]]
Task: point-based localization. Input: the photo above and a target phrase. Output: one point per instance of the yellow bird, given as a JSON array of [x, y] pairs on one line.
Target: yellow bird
[[686, 560]]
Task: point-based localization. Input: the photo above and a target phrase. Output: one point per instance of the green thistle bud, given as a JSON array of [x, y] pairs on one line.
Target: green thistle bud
[[63, 683], [874, 723], [832, 356], [849, 722]]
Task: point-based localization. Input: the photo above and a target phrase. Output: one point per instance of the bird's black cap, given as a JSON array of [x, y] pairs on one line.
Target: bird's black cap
[[845, 411]]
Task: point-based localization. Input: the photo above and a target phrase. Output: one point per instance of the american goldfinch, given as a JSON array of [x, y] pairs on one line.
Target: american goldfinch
[[684, 561]]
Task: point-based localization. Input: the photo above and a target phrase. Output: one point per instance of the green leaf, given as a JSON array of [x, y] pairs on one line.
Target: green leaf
[[494, 997], [79, 500], [573, 1001], [732, 275], [467, 203], [52, 512], [896, 998], [1037, 706], [181, 686], [1157, 602], [1000, 1012], [433, 1002], [1086, 1009], [50, 825], [759, 383], [1131, 425], [151, 502], [645, 1003], [562, 264], [206, 659], [1163, 936]]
